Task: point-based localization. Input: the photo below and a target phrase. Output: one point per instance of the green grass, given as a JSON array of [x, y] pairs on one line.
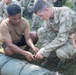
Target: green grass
[[69, 4]]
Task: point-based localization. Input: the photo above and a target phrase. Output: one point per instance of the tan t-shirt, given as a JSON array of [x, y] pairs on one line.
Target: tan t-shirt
[[9, 31]]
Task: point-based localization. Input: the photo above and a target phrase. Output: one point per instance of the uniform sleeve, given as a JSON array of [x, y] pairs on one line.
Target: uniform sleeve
[[4, 32], [62, 37]]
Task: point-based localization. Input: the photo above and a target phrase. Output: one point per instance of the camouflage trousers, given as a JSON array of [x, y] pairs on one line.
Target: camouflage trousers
[[46, 36]]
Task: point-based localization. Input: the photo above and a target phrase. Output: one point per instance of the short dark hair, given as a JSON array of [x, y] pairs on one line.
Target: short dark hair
[[13, 9], [40, 5]]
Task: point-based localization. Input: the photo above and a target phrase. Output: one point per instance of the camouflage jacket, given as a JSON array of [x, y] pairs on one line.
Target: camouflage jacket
[[63, 24]]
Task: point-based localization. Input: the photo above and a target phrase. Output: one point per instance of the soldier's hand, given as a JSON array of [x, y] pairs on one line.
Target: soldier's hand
[[38, 55]]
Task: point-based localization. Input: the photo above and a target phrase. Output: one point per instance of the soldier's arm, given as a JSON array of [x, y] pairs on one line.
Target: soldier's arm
[[62, 37]]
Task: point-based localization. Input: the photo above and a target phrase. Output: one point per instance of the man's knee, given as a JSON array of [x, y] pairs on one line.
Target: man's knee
[[34, 36], [8, 52]]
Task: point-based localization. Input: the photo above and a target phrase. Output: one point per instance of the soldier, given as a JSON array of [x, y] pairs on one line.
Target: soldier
[[3, 5], [28, 8], [55, 36]]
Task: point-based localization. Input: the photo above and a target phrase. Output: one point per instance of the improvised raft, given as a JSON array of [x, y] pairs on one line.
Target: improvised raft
[[13, 66]]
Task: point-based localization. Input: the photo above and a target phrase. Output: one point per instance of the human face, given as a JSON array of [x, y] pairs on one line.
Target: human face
[[44, 15], [16, 19]]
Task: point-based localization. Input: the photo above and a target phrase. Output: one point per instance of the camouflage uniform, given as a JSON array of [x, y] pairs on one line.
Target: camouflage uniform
[[3, 7], [55, 36], [36, 19], [28, 8]]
